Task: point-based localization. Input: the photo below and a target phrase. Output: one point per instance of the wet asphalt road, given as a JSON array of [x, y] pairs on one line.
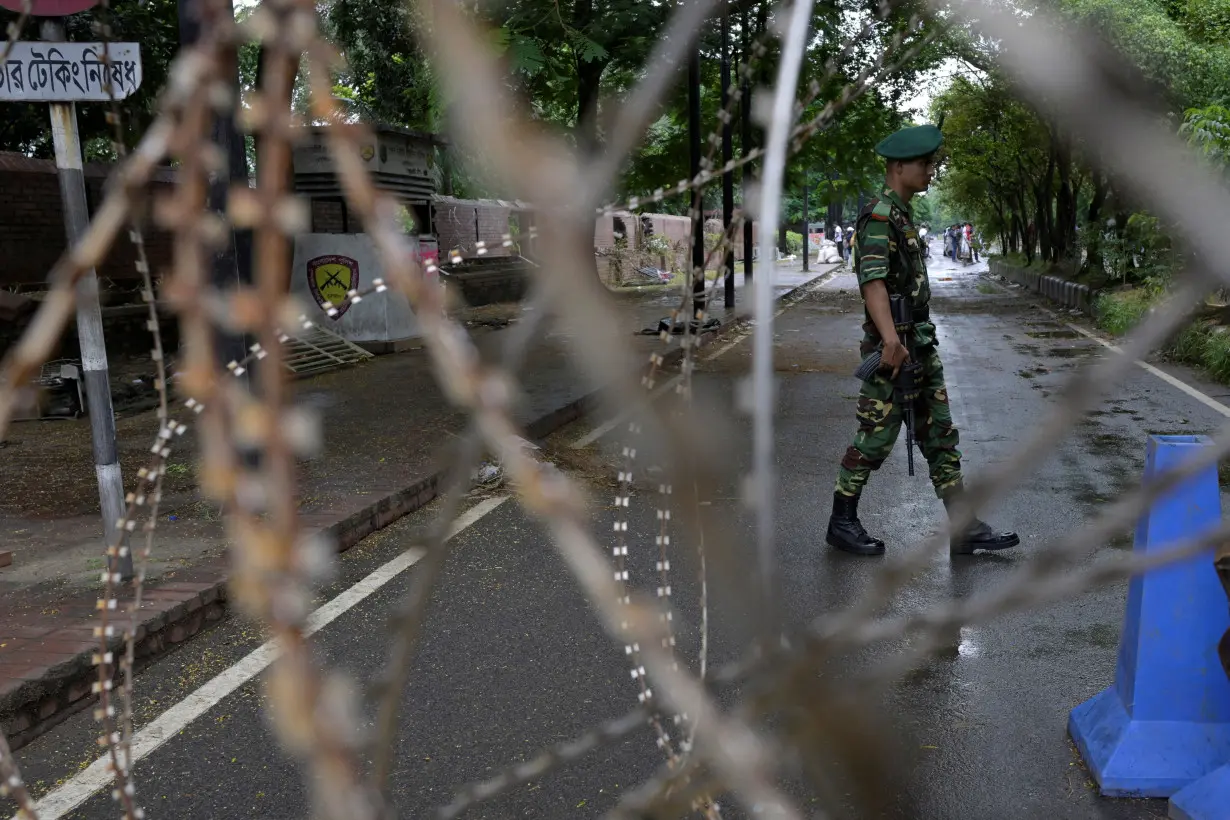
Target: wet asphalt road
[[515, 659]]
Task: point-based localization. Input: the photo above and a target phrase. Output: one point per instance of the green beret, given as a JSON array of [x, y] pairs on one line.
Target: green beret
[[909, 143]]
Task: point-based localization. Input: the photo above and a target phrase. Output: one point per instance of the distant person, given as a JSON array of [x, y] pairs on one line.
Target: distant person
[[838, 235], [889, 265]]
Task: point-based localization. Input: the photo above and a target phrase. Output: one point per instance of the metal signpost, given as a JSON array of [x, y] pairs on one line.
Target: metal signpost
[[64, 74]]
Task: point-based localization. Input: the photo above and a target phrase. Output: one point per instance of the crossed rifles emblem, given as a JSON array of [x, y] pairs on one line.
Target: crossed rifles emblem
[[330, 278]]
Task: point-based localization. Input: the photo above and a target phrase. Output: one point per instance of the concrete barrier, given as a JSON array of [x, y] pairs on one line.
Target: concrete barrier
[[327, 266], [1165, 721], [1056, 288]]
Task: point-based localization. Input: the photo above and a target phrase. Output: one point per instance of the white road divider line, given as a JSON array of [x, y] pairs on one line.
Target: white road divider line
[[722, 351], [96, 777], [1173, 381], [607, 426]]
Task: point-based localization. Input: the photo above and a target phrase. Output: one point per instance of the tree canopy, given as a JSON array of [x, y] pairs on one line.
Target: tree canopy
[[1040, 190], [569, 63]]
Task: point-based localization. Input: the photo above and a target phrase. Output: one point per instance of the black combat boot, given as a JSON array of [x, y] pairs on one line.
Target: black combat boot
[[846, 531], [978, 535]]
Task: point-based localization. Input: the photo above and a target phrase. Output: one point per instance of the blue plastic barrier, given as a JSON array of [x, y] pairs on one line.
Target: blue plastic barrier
[[1165, 722], [1206, 799]]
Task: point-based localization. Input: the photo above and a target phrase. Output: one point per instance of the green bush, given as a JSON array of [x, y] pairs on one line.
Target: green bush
[[1203, 344], [1215, 356], [794, 243], [657, 244], [1189, 345], [1117, 313]]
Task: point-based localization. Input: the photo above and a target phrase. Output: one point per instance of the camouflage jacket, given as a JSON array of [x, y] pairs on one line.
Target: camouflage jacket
[[883, 226]]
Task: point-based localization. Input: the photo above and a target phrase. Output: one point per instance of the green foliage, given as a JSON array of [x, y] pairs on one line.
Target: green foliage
[[794, 243], [1208, 20], [1189, 71], [1208, 129], [838, 163], [656, 244], [1119, 312], [1203, 343], [1207, 345], [996, 151], [1139, 252], [387, 77]]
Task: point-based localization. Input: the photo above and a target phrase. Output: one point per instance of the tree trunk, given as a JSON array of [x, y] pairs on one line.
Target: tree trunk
[[781, 237], [806, 228], [1000, 212], [1064, 235], [1046, 209], [1094, 258], [589, 83]]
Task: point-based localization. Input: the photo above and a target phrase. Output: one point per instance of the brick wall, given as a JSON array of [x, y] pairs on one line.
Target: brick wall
[[461, 223], [455, 224], [676, 229], [492, 225], [327, 216], [32, 223]]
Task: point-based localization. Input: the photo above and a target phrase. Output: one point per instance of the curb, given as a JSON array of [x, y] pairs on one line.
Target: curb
[[56, 666], [1055, 288]]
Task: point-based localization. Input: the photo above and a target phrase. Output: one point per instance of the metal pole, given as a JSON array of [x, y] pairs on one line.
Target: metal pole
[[806, 226], [728, 176], [745, 137], [232, 264], [698, 213], [89, 319]]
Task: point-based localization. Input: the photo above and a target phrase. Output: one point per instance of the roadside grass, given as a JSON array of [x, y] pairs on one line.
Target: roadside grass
[[1202, 343], [1117, 313]]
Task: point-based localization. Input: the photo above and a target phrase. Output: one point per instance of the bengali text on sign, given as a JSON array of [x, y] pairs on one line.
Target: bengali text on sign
[[70, 72]]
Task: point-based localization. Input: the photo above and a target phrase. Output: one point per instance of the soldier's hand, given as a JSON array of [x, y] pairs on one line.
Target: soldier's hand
[[893, 356]]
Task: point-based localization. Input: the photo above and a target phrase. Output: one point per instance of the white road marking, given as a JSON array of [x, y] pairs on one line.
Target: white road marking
[[1173, 381], [735, 342], [96, 777], [607, 426]]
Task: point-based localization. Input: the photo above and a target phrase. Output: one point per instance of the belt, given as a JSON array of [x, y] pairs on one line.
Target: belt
[[922, 314]]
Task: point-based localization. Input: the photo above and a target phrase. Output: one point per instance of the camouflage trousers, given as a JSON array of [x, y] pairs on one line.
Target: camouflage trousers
[[879, 423]]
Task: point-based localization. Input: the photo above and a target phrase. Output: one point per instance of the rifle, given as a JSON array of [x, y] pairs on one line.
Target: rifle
[[906, 389]]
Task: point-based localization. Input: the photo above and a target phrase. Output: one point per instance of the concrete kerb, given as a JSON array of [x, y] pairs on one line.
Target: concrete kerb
[[1056, 288], [42, 702]]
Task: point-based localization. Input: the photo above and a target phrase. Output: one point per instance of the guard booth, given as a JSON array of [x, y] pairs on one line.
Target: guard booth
[[335, 258]]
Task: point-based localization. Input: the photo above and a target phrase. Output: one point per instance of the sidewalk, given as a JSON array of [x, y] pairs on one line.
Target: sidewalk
[[387, 431]]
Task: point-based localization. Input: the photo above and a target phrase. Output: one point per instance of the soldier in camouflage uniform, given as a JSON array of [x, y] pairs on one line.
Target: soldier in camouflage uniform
[[888, 260]]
